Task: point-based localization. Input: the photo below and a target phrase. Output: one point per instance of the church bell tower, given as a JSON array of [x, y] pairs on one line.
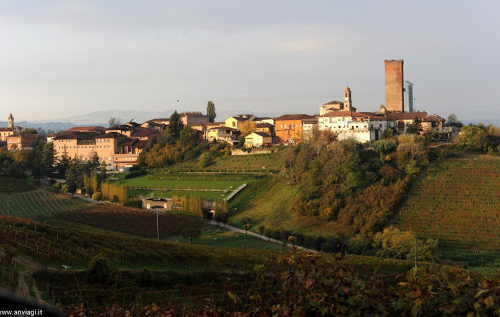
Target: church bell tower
[[11, 121], [347, 99]]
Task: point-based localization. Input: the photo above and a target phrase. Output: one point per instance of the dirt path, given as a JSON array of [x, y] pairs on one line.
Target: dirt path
[[258, 236]]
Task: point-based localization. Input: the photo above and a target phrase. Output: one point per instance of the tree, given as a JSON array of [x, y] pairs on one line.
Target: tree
[[473, 138], [246, 127], [453, 120], [113, 122], [175, 126], [211, 111], [415, 127]]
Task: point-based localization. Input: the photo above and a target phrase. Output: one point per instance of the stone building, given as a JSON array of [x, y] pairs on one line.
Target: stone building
[[336, 105], [394, 90]]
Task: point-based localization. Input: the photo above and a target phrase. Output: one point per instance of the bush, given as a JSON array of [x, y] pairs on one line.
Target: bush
[[133, 203], [65, 188], [97, 196], [333, 244], [99, 271], [135, 173], [56, 187]]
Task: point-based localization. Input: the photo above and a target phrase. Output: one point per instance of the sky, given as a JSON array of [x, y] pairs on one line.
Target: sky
[[65, 58]]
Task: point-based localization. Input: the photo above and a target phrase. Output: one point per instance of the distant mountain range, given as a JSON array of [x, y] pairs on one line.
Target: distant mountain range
[[101, 118]]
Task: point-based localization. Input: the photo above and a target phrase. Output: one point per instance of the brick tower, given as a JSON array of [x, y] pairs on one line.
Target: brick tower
[[394, 85], [347, 99], [11, 121]]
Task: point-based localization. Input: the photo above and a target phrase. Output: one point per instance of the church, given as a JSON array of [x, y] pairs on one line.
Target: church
[[336, 105]]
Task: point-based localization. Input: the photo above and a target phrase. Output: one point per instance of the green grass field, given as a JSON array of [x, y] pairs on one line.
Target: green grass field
[[38, 203], [458, 202], [215, 236], [268, 202], [174, 182], [258, 163], [209, 195]]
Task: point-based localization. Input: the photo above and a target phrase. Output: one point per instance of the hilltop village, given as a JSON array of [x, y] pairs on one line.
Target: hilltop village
[[119, 146]]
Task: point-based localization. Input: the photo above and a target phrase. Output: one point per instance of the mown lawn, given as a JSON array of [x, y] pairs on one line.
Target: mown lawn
[[210, 195]]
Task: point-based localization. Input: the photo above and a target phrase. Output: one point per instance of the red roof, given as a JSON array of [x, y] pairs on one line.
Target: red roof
[[86, 129], [406, 115], [299, 116]]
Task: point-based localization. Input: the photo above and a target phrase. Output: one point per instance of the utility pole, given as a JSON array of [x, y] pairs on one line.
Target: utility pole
[[415, 255], [157, 226]]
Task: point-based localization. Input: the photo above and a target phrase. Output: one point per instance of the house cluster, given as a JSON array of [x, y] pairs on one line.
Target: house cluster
[[120, 146], [14, 137], [117, 146]]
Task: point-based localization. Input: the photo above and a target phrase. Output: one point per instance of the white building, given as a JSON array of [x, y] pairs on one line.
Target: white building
[[364, 127]]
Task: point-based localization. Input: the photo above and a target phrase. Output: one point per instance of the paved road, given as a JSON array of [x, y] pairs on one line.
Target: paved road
[[258, 236]]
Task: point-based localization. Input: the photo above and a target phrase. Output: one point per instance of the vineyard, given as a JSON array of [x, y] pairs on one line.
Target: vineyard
[[458, 202], [173, 226], [9, 185], [38, 203], [59, 246], [134, 221]]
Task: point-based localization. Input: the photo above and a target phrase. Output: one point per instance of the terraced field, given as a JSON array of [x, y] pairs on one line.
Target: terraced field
[[458, 203], [258, 163], [37, 203]]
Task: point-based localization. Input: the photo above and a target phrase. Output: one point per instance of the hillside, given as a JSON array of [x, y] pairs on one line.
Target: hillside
[[458, 203]]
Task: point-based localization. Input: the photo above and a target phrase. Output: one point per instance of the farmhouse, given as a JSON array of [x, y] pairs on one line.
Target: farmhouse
[[258, 139], [236, 121], [223, 134]]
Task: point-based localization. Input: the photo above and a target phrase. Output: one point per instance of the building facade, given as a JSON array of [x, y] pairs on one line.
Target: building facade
[[363, 127], [258, 139], [118, 147], [289, 128]]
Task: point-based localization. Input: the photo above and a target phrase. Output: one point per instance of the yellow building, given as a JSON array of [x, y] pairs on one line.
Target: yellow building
[[235, 121], [258, 139]]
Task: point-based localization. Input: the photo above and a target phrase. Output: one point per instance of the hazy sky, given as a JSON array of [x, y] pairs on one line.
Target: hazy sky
[[62, 58]]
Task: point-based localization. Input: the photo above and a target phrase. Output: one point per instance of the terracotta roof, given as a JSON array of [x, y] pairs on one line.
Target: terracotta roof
[[261, 118], [263, 125], [75, 135], [262, 134], [110, 135], [334, 102], [141, 132], [433, 117], [85, 129], [6, 129], [310, 120], [405, 115], [222, 128], [344, 113], [243, 117], [294, 117]]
